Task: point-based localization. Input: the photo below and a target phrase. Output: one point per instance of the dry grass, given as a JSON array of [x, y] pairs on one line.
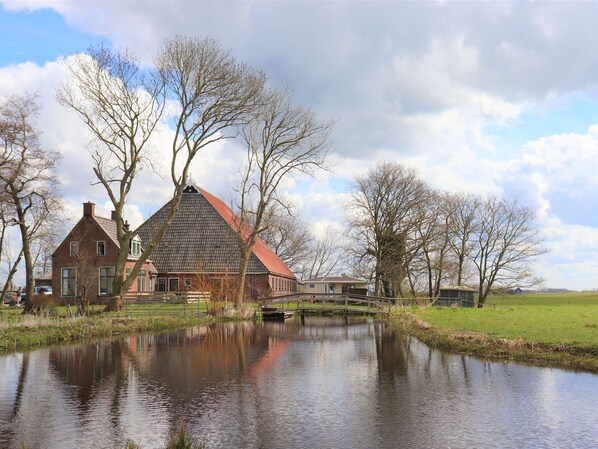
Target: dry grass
[[18, 332]]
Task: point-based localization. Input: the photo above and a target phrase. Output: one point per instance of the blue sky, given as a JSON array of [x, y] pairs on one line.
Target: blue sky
[[485, 97], [39, 36], [573, 114]]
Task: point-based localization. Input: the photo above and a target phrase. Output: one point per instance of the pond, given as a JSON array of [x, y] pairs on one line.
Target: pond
[[323, 384]]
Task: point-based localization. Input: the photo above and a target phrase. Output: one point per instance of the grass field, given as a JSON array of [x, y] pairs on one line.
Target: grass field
[[556, 319], [19, 332], [545, 328]]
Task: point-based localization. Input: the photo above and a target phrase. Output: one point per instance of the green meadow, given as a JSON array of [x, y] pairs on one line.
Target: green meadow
[[555, 319], [552, 329]]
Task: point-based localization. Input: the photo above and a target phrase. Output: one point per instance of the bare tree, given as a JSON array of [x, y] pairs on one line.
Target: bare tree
[[464, 210], [305, 254], [26, 176], [324, 255], [6, 222], [86, 274], [432, 262], [382, 221], [11, 265], [506, 242], [283, 139], [121, 108], [290, 238]]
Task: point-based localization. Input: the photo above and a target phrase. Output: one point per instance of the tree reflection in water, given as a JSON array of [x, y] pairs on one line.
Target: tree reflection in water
[[324, 383]]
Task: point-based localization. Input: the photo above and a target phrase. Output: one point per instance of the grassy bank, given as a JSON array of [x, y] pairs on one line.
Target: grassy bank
[[21, 332], [548, 329]]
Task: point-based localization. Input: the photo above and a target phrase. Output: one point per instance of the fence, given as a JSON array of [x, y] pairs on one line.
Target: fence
[[167, 303]]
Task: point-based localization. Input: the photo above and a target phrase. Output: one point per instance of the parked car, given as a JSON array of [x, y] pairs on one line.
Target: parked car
[[11, 298], [8, 297], [42, 290]]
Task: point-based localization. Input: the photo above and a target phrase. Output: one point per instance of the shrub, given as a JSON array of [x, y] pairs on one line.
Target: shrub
[[181, 439], [43, 304]]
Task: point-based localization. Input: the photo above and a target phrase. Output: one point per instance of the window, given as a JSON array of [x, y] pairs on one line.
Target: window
[[173, 284], [128, 271], [101, 249], [106, 280], [188, 282], [136, 247], [312, 285], [142, 281], [69, 282], [74, 248], [161, 284]]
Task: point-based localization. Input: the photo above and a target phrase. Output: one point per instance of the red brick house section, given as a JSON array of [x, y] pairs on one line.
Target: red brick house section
[[83, 264]]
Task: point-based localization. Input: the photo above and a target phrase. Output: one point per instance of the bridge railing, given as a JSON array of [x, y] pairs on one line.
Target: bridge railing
[[344, 300]]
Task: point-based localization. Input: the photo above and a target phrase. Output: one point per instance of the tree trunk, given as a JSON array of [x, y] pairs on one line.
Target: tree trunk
[[481, 296], [116, 303], [26, 250], [245, 254], [11, 274]]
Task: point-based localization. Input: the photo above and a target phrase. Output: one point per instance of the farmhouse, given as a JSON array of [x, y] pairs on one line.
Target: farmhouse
[[83, 265], [200, 251]]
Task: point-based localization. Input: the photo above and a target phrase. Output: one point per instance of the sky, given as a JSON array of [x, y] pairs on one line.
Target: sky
[[495, 98]]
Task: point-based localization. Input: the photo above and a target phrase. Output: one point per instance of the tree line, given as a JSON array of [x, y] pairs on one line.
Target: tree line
[[410, 239]]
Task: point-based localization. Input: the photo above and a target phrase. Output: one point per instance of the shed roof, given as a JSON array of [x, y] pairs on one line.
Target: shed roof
[[336, 280], [464, 288]]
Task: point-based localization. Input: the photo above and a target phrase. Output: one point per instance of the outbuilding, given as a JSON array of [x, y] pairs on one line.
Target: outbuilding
[[456, 296], [336, 285]]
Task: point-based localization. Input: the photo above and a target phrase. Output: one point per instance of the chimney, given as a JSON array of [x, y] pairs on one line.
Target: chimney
[[113, 215], [126, 226], [89, 209]]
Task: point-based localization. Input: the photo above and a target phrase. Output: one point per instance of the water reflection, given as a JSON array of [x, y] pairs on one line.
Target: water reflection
[[322, 384]]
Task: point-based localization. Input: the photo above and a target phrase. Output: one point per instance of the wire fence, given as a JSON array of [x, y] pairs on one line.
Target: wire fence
[[168, 303]]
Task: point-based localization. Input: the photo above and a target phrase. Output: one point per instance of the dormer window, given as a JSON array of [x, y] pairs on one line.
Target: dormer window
[[136, 247], [101, 249]]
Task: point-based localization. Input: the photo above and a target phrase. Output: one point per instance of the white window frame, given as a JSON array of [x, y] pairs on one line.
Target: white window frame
[[136, 246], [187, 282], [142, 276], [62, 279], [98, 248], [74, 248], [110, 292]]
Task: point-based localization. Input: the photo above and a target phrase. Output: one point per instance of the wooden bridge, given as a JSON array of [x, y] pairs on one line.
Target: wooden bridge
[[281, 307]]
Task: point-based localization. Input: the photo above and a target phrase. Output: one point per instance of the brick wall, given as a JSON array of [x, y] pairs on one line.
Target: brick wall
[[87, 232]]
